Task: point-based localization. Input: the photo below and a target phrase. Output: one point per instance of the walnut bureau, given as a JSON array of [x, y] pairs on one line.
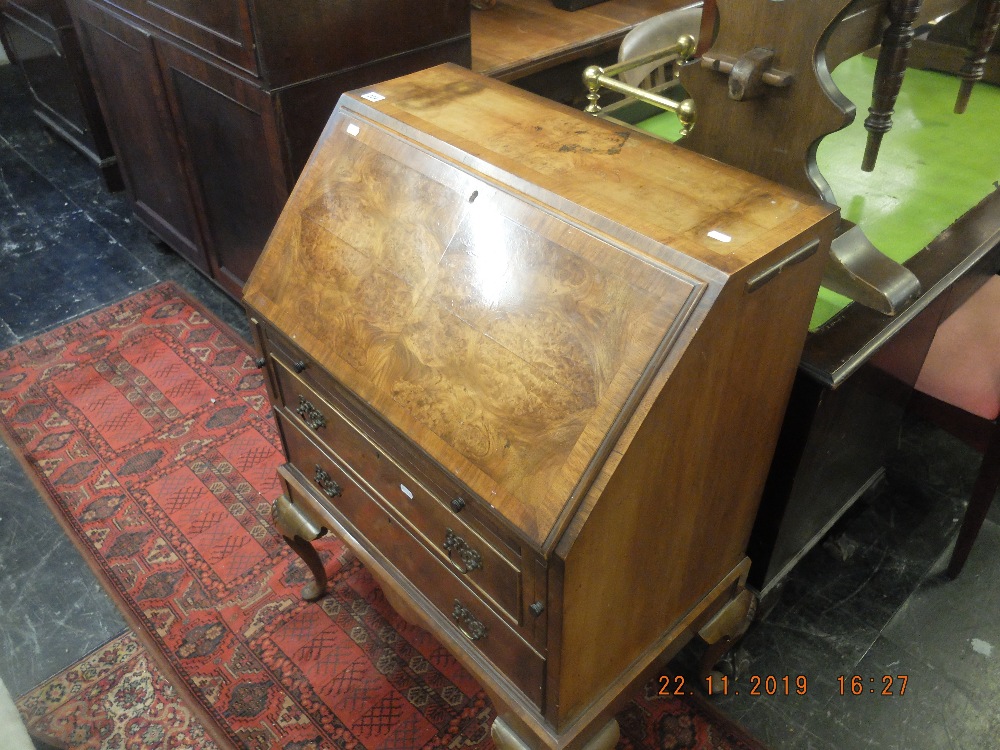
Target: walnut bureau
[[531, 368]]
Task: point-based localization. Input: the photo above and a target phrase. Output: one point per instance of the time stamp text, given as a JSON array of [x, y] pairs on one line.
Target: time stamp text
[[885, 684]]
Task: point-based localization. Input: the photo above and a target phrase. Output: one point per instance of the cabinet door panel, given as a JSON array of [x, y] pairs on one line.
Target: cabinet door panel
[[123, 62], [227, 127]]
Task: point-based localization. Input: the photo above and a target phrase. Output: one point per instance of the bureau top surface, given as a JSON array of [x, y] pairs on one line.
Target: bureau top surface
[[439, 259]]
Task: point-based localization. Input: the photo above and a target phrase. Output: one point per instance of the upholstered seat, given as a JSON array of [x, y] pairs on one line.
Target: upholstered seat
[[959, 390]]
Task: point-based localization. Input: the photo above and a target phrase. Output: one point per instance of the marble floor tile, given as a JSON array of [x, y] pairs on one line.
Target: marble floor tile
[[25, 194], [875, 711], [52, 609], [7, 337], [772, 725], [954, 625], [62, 269], [933, 462]]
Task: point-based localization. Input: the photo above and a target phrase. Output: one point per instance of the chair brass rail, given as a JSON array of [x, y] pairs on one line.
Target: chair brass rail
[[595, 78]]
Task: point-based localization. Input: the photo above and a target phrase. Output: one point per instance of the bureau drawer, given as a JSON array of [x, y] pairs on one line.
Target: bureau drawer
[[466, 549], [382, 535], [467, 553], [291, 364]]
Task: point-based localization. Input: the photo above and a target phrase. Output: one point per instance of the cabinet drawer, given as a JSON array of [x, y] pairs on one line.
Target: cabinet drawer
[[221, 28], [439, 529], [381, 533]]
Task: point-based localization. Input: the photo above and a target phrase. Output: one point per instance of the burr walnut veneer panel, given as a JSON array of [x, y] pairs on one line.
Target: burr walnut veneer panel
[[532, 367]]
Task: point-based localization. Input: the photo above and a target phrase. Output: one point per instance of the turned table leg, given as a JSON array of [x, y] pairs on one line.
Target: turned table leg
[[983, 33], [299, 531], [889, 71]]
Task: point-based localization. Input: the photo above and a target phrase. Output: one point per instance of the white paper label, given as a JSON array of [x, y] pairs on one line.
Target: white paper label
[[406, 491], [353, 129], [372, 96], [715, 234]]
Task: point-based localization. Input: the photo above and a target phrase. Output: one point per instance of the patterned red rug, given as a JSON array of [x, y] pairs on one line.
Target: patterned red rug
[[147, 428], [115, 697]]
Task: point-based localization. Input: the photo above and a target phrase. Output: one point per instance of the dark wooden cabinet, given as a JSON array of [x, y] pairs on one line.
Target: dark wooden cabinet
[[39, 39], [214, 107]]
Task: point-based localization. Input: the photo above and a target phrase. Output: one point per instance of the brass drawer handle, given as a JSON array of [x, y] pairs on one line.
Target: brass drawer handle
[[310, 414], [467, 622], [325, 481], [470, 559]]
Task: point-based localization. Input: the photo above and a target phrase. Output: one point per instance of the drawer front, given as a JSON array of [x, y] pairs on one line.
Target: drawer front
[[439, 528], [433, 518], [483, 630], [221, 28]]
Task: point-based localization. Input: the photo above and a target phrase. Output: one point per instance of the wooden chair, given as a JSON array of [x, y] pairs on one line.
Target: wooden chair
[[653, 34], [959, 390], [644, 63]]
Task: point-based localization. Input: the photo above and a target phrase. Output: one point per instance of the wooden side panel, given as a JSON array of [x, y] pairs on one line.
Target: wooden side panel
[[772, 132], [679, 507]]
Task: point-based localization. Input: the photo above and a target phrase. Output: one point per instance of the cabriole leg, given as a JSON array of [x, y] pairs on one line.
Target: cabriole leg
[[724, 630], [299, 531], [506, 739]]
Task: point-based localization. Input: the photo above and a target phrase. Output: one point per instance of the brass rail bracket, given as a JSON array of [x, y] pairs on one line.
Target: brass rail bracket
[[595, 78]]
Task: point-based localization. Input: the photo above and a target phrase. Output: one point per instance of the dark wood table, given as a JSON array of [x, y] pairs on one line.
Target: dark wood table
[[858, 370], [542, 49], [855, 377], [516, 38]]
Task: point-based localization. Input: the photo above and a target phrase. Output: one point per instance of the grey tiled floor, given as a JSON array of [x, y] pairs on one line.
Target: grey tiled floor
[[68, 247]]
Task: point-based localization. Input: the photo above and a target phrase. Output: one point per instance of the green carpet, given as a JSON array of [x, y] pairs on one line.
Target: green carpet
[[933, 167]]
